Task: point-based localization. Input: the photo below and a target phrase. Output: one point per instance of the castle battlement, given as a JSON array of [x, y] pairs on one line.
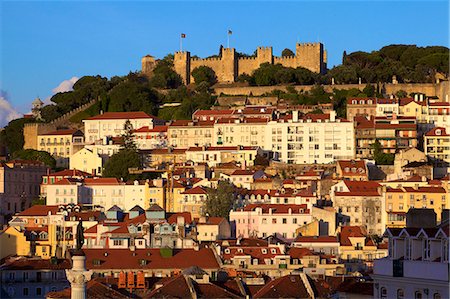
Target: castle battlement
[[311, 56]]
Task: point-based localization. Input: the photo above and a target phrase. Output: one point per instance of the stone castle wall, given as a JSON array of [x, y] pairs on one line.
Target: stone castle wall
[[440, 89], [229, 66]]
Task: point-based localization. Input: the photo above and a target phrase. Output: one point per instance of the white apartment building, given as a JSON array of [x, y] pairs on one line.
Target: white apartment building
[[314, 138], [417, 265], [240, 131], [387, 107], [104, 192], [263, 220], [112, 124], [222, 154], [187, 133], [150, 138]]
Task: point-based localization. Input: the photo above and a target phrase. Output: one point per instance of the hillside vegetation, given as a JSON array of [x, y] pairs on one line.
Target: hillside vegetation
[[135, 92]]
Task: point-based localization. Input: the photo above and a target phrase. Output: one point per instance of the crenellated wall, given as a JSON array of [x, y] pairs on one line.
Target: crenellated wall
[[229, 66]]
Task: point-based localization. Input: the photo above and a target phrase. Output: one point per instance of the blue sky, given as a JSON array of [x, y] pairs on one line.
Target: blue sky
[[46, 43]]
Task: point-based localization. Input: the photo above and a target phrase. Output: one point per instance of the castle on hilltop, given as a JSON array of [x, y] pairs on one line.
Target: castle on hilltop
[[229, 65]]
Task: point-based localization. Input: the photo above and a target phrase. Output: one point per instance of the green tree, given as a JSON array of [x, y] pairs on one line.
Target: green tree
[[369, 90], [30, 154], [287, 53], [128, 137], [164, 76], [261, 160], [12, 135], [204, 74], [401, 94], [118, 164], [380, 157], [220, 200]]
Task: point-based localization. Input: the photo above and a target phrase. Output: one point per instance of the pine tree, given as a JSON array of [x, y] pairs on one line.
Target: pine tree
[[128, 137]]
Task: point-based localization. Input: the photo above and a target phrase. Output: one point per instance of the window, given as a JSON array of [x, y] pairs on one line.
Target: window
[[400, 294], [437, 296], [25, 291], [274, 220], [284, 220], [294, 220], [383, 293], [38, 291], [418, 295]]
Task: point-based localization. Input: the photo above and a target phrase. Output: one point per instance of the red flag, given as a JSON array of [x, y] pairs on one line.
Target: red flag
[[183, 35]]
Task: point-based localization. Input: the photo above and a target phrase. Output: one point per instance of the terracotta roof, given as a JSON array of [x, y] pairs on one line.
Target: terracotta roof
[[260, 253], [126, 259], [360, 188], [438, 131], [122, 115], [243, 172], [69, 173], [298, 253], [187, 123], [94, 290], [210, 221], [353, 231], [443, 104], [172, 217], [316, 239], [253, 120], [23, 263], [352, 167], [278, 208], [431, 189], [212, 112], [222, 148], [195, 190], [61, 132], [101, 181], [290, 286], [165, 151], [39, 210], [174, 287], [156, 129], [406, 101]]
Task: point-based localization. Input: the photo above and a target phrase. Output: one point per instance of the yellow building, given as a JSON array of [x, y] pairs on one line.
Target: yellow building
[[400, 200], [87, 160], [192, 201], [13, 242], [61, 144]]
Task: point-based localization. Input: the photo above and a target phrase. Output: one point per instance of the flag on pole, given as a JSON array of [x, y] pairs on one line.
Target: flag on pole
[[230, 32], [183, 35]]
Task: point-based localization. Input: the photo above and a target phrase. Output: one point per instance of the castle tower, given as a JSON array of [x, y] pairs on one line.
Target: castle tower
[[264, 54], [148, 63], [37, 105], [182, 65], [229, 65], [311, 56]]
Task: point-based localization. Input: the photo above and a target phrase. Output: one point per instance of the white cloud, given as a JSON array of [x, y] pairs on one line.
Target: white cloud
[[66, 85], [7, 112]]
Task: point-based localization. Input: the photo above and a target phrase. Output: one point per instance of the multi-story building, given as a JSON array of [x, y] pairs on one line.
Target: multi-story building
[[245, 155], [212, 229], [52, 177], [417, 265], [188, 133], [104, 192], [192, 200], [314, 138], [439, 114], [363, 202], [263, 220], [150, 138], [365, 137], [160, 156], [437, 146], [396, 133], [33, 277], [112, 124], [19, 185], [387, 107], [61, 144], [246, 131], [365, 107], [400, 200], [89, 160]]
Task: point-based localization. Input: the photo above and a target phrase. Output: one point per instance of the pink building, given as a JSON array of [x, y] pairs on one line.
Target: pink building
[[263, 220]]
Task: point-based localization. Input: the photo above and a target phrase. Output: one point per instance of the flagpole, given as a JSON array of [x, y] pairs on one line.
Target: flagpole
[[228, 39], [181, 43]]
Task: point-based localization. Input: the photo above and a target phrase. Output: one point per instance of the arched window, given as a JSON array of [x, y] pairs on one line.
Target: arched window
[[400, 294], [437, 296], [383, 293], [418, 295]]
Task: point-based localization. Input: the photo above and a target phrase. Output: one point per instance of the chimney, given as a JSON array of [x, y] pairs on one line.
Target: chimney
[[421, 97], [416, 97], [332, 115], [295, 116]]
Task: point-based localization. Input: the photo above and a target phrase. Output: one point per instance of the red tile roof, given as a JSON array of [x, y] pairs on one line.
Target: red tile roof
[[298, 253], [352, 167], [438, 131], [222, 148], [316, 239], [156, 129], [61, 132], [122, 115], [353, 231], [172, 217], [126, 259], [210, 221], [186, 123], [101, 181], [243, 172], [361, 188], [290, 286], [212, 112], [94, 290], [30, 264], [69, 173], [260, 253], [195, 190], [39, 210]]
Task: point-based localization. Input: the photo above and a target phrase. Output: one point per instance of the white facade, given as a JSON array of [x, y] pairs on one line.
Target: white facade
[[112, 124], [216, 155], [88, 161], [263, 220], [315, 139]]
